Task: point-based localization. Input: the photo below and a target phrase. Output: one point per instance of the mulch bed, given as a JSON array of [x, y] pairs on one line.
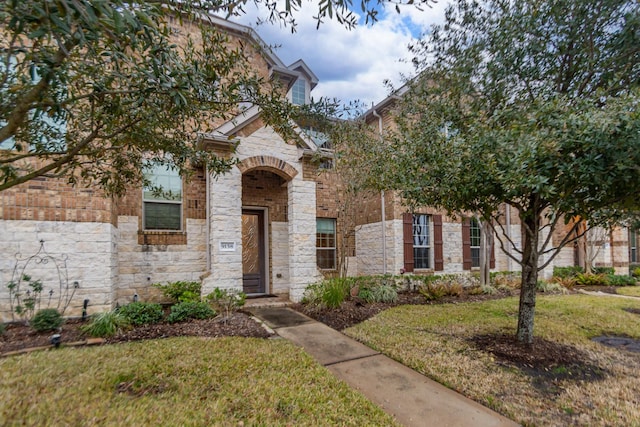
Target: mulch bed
[[18, 336]]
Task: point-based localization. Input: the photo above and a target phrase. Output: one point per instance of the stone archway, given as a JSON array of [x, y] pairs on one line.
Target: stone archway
[[268, 163]]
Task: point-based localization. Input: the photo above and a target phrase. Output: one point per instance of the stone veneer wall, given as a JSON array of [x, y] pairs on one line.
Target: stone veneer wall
[[303, 269], [452, 247], [369, 248], [90, 249], [280, 257], [139, 266], [226, 225]]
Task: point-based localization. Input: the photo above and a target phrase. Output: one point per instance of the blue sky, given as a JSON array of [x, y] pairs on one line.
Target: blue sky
[[351, 65]]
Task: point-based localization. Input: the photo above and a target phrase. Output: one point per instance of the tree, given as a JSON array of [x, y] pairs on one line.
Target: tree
[[91, 88], [530, 104]]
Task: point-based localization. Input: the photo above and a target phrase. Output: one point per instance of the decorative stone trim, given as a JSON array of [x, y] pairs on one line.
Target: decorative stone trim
[[268, 163]]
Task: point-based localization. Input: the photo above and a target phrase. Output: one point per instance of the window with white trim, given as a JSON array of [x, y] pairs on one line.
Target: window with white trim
[[474, 231], [326, 243], [421, 242], [162, 198], [299, 92]]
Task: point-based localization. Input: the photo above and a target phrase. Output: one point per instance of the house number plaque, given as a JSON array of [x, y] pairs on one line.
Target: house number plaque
[[227, 246]]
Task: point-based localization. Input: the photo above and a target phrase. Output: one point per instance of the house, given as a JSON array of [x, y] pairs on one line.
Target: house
[[269, 226]]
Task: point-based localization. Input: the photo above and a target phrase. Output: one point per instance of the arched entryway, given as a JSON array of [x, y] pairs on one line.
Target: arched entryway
[[265, 266]]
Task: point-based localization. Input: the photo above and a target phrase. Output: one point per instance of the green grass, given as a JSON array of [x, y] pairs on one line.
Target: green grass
[[633, 291], [179, 381], [434, 340]]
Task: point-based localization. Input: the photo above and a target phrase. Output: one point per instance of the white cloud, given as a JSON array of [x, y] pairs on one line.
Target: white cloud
[[351, 65]]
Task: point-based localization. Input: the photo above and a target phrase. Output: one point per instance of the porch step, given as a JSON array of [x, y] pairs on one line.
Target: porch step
[[270, 301]]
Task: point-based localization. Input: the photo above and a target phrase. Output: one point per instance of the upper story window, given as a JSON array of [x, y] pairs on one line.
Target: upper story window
[[162, 198], [299, 92], [47, 128], [421, 242]]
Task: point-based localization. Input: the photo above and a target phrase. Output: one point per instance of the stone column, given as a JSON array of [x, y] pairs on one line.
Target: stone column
[[225, 221], [302, 237]]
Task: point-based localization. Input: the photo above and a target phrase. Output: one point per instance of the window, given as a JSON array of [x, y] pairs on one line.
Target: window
[[162, 198], [474, 229], [421, 242], [633, 246], [47, 128], [299, 92], [326, 243]]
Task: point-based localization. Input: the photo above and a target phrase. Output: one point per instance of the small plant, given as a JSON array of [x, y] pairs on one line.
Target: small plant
[[566, 282], [2, 328], [48, 319], [636, 272], [180, 291], [142, 313], [190, 310], [366, 294], [433, 291], [621, 280], [25, 304], [506, 279], [106, 324], [385, 293], [331, 292], [488, 290], [590, 279], [550, 288], [226, 300]]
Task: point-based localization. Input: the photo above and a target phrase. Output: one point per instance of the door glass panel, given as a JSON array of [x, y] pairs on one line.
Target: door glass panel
[[250, 244]]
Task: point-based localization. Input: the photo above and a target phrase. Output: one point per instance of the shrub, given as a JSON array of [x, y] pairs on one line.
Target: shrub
[[621, 280], [226, 300], [603, 270], [48, 319], [385, 293], [190, 310], [590, 279], [567, 272], [2, 328], [142, 313], [181, 291], [636, 272], [106, 324]]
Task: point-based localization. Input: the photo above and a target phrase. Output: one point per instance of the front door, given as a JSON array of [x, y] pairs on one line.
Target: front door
[[253, 259]]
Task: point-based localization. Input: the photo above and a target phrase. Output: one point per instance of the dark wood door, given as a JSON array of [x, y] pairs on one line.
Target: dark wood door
[[253, 255]]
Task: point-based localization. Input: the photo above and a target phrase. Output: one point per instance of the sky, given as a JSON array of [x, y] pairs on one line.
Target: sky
[[350, 64]]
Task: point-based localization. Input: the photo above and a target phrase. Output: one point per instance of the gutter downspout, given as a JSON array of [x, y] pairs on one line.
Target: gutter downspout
[[382, 204]]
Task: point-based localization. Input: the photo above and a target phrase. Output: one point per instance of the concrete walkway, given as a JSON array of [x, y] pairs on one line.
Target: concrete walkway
[[412, 398]]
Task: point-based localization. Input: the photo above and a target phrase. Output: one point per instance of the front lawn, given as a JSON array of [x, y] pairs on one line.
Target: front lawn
[[633, 291], [463, 346], [179, 381]]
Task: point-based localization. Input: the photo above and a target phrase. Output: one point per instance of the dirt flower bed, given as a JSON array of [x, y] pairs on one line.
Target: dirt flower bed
[[18, 336]]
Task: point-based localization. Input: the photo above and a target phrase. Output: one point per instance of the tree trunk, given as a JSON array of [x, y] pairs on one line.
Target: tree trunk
[[484, 260], [526, 311]]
